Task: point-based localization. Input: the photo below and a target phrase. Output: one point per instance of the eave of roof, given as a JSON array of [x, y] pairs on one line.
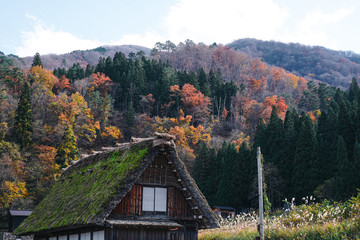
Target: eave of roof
[[145, 223], [20, 213]]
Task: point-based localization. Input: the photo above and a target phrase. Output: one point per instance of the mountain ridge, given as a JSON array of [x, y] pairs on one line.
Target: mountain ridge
[[83, 57], [336, 68]]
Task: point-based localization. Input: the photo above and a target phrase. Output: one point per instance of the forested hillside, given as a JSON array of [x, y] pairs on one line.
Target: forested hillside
[[80, 57], [336, 68], [219, 103]]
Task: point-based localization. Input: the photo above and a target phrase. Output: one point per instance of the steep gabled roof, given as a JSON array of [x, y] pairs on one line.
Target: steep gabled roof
[[87, 191]]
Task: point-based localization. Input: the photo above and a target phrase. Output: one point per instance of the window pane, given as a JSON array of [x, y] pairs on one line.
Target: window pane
[[100, 235], [160, 199], [73, 237], [52, 238], [85, 236], [63, 237], [148, 199]]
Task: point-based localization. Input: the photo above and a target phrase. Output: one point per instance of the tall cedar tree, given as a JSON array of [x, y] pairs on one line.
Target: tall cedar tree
[[304, 181], [356, 166], [203, 82], [67, 152], [327, 138], [223, 194], [212, 177], [23, 119], [37, 61], [130, 121], [274, 139], [344, 171], [288, 150], [201, 167]]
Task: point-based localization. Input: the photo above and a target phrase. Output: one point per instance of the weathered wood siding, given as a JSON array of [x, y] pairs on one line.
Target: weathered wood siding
[[130, 205], [159, 173], [177, 205]]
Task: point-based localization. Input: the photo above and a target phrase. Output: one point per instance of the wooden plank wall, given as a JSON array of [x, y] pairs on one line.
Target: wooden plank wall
[[177, 204], [130, 205], [159, 173], [147, 234]]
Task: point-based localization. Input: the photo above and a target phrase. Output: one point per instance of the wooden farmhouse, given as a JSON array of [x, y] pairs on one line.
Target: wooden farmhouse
[[139, 190]]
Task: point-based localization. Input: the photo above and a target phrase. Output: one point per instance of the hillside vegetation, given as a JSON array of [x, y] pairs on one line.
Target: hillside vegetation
[[81, 57], [218, 102], [336, 68]]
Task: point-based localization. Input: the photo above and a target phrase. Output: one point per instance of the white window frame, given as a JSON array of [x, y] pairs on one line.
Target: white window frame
[[154, 199]]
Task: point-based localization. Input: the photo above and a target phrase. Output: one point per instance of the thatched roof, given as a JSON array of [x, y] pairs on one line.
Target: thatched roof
[[88, 190]]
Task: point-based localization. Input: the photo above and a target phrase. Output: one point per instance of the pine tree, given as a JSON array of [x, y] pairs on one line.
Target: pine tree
[[244, 175], [37, 61], [67, 151], [356, 166], [275, 137], [304, 179], [201, 166], [344, 171], [203, 82], [212, 177], [88, 71], [23, 120], [130, 121], [223, 194], [345, 127], [288, 150], [354, 91], [260, 134], [327, 137]]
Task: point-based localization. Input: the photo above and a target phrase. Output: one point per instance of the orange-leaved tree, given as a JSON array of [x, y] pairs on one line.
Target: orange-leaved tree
[[278, 102], [193, 101]]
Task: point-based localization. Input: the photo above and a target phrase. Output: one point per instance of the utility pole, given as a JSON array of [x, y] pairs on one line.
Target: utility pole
[[261, 198]]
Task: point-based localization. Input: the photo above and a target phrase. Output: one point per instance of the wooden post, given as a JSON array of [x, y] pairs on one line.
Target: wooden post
[[261, 198]]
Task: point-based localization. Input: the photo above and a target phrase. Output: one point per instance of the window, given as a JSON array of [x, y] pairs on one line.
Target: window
[[85, 236], [100, 235], [52, 238], [63, 237], [154, 199], [74, 237]]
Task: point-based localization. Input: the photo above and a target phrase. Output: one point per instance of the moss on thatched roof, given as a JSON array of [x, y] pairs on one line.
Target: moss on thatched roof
[[87, 191]]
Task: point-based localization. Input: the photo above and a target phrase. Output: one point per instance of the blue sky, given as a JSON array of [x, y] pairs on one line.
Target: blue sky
[[61, 26]]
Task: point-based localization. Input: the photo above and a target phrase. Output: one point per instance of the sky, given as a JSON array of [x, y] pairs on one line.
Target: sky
[[62, 26]]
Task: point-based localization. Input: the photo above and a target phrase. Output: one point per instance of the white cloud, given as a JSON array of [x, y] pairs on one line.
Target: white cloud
[[312, 29], [318, 18], [223, 21], [44, 40], [146, 40], [211, 21]]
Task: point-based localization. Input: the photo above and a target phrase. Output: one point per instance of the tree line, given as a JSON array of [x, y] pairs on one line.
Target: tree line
[[304, 155]]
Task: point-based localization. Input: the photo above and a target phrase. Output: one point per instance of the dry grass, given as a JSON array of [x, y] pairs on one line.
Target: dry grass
[[307, 221]]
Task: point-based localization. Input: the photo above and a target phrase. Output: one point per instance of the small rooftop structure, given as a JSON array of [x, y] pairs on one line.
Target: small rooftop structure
[[16, 217], [225, 211]]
